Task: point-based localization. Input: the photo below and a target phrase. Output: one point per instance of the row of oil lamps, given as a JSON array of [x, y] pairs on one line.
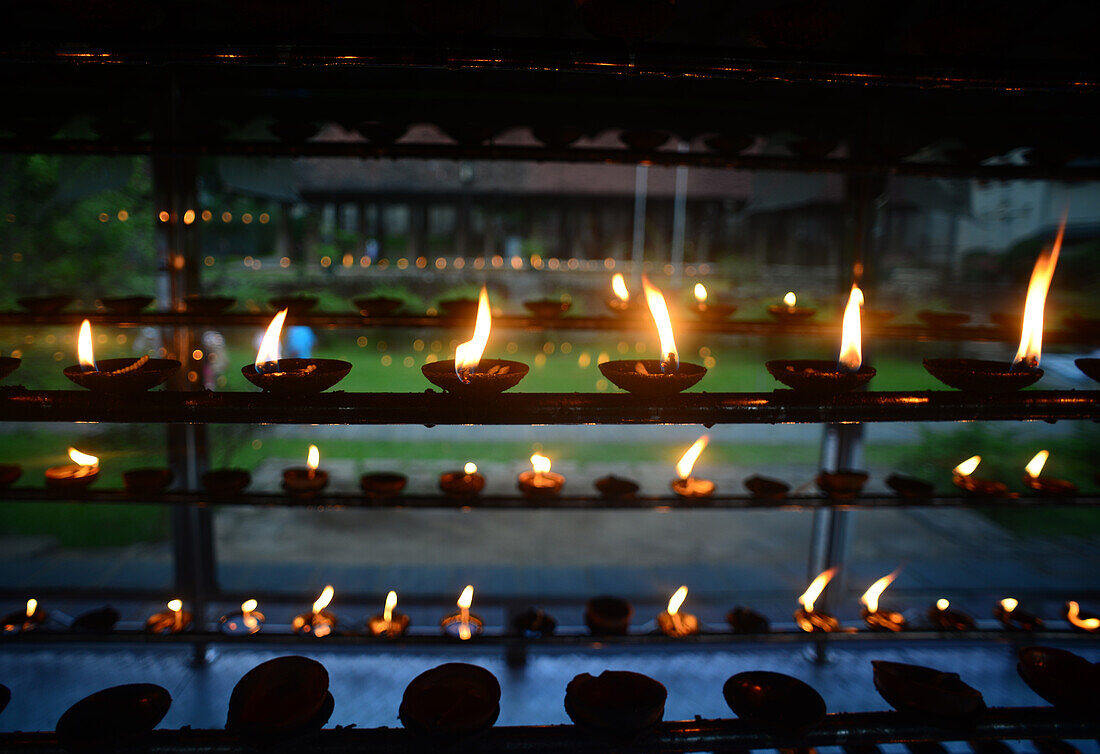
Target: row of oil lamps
[[605, 616], [471, 375]]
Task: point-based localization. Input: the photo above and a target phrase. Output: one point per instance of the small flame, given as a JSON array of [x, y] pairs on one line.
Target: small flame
[[1010, 603], [468, 354], [1073, 615], [676, 600], [540, 463], [268, 355], [618, 287], [809, 597], [669, 355], [690, 456], [32, 607], [790, 299], [700, 293], [967, 467], [391, 603], [82, 459], [324, 599], [175, 605], [871, 596], [248, 606], [942, 604], [469, 468], [84, 347], [313, 460], [467, 597], [851, 351], [1035, 465], [1031, 335]]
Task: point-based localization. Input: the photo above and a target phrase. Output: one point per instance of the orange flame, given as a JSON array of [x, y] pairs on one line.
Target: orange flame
[[248, 606], [700, 293], [1073, 615], [468, 354], [1031, 335], [967, 467], [175, 605], [942, 604], [871, 596], [677, 599], [790, 300], [32, 607], [267, 358], [1035, 466], [83, 459], [618, 287], [84, 347], [1010, 604], [464, 601], [690, 456], [540, 463], [466, 598], [391, 603], [817, 586], [670, 357], [324, 599], [851, 351], [313, 459], [469, 468]]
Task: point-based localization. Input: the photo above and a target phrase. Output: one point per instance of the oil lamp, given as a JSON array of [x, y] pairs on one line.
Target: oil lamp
[[382, 484], [674, 623], [825, 377], [280, 700], [1091, 367], [126, 304], [174, 620], [745, 620], [147, 481], [790, 312], [294, 304], [765, 488], [116, 376], [540, 481], [548, 308], [318, 621], [620, 302], [390, 623], [467, 373], [881, 620], [842, 484], [209, 305], [810, 620], [655, 377], [8, 364], [463, 625], [462, 484], [608, 616], [80, 473], [614, 487], [248, 621], [308, 481], [615, 704], [963, 478], [687, 485], [946, 618], [997, 377], [450, 703], [909, 487], [25, 620], [1046, 485], [9, 474], [1080, 620], [44, 304], [1009, 612], [534, 623], [273, 374], [377, 306], [226, 482], [709, 309]]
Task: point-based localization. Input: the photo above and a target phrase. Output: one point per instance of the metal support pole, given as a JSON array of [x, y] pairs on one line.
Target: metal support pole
[[679, 217], [641, 188]]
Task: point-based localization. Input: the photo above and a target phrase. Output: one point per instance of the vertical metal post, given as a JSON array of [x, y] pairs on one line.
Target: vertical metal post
[[679, 217], [641, 188]]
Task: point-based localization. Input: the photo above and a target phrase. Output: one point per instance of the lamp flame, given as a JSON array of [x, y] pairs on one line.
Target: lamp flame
[[469, 468], [851, 350], [391, 603], [313, 459], [84, 347], [676, 600], [1073, 615], [967, 467], [32, 607], [618, 287], [248, 606], [690, 456], [1035, 465], [267, 358], [790, 300], [1031, 334], [175, 605], [468, 354], [466, 598], [871, 596], [540, 463], [325, 598], [82, 459], [670, 357], [700, 293], [1010, 603], [809, 597], [942, 604]]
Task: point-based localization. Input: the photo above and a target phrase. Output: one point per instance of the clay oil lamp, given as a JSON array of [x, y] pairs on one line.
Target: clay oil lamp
[[307, 481], [909, 487], [608, 616], [44, 304], [8, 364], [941, 320], [963, 477], [620, 301], [459, 308], [842, 484], [116, 376], [926, 691], [98, 621], [534, 623], [1079, 619], [318, 621], [655, 377], [380, 485], [463, 625], [613, 487], [9, 474], [810, 620], [1046, 486], [195, 304], [1015, 618], [273, 374], [881, 620], [674, 623], [283, 697], [462, 484], [74, 476], [822, 377], [982, 376], [540, 482], [115, 718], [21, 621], [147, 481], [745, 620], [390, 624], [377, 306], [616, 704], [790, 313], [248, 621], [946, 618], [765, 488], [294, 304], [710, 310], [1091, 368], [547, 308], [1066, 680], [174, 620], [685, 485], [226, 482], [451, 702], [126, 304], [777, 703], [467, 374]]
